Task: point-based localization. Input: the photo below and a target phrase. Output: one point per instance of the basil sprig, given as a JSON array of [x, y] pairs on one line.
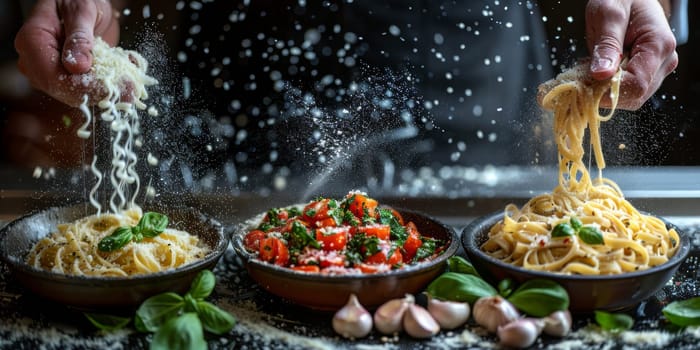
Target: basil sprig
[[536, 297], [589, 234], [613, 322], [539, 297], [178, 321], [151, 224], [683, 312], [457, 286]]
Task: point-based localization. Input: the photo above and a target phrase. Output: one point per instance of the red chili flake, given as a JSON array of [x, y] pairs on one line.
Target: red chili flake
[[566, 241], [541, 243]]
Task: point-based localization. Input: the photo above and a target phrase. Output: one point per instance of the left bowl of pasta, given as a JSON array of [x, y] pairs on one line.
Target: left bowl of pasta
[[587, 293], [53, 254]]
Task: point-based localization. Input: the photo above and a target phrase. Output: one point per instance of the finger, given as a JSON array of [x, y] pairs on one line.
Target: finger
[[606, 25], [79, 20], [37, 45], [635, 90]]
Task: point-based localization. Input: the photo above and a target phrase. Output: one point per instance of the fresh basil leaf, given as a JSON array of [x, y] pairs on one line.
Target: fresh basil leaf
[[107, 322], [299, 237], [293, 212], [540, 297], [563, 230], [591, 235], [350, 218], [202, 285], [459, 264], [426, 249], [576, 223], [190, 303], [156, 310], [180, 333], [359, 247], [683, 312], [273, 218], [337, 214], [152, 224], [613, 322], [460, 287], [505, 287], [214, 319], [119, 238], [398, 233]]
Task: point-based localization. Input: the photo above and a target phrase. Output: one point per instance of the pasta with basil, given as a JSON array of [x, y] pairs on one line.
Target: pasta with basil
[[628, 241]]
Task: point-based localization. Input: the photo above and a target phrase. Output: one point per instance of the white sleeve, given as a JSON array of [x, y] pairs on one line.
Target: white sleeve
[[679, 20]]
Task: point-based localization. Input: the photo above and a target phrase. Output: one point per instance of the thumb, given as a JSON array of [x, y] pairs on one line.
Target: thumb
[[79, 19], [606, 25]]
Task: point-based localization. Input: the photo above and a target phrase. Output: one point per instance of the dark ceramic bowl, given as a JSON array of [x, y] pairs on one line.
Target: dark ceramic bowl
[[586, 293], [104, 293], [331, 292]]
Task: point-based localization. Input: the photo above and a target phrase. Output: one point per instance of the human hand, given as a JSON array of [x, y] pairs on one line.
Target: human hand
[[639, 29], [55, 43]]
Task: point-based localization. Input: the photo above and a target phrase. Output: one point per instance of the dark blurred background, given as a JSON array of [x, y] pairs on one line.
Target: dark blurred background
[[256, 93]]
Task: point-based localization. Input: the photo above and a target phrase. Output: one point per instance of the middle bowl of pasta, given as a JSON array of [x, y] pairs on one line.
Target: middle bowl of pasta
[[317, 254], [71, 256], [597, 277]]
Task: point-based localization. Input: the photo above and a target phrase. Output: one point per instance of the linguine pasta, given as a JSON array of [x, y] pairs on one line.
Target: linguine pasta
[[73, 249], [630, 240]]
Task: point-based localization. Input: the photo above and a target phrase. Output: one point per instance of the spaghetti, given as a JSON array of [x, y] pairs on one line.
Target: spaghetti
[[73, 249], [629, 240]]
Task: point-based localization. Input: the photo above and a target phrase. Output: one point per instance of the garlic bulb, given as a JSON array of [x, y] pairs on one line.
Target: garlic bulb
[[418, 323], [520, 333], [558, 323], [448, 314], [491, 312], [352, 320], [388, 317]]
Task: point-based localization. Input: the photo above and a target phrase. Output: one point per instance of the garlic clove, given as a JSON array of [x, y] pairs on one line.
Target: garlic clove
[[352, 320], [520, 333], [558, 324], [418, 323], [494, 311], [448, 314], [388, 317]]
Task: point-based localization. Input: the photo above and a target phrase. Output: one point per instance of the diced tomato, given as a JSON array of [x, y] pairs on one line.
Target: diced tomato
[[306, 268], [395, 258], [316, 211], [332, 238], [273, 250], [368, 268], [412, 243], [327, 222], [381, 258], [380, 231], [361, 204], [252, 239], [335, 260]]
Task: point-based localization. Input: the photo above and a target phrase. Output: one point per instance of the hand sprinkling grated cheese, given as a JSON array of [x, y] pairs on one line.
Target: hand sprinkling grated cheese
[[118, 71]]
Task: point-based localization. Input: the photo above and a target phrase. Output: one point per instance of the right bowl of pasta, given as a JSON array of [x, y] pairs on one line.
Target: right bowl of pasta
[[604, 263]]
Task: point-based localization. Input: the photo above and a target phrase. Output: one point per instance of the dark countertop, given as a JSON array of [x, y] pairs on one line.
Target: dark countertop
[[266, 321]]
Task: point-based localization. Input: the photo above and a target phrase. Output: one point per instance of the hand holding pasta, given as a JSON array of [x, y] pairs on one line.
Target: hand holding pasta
[[584, 226], [638, 29]]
